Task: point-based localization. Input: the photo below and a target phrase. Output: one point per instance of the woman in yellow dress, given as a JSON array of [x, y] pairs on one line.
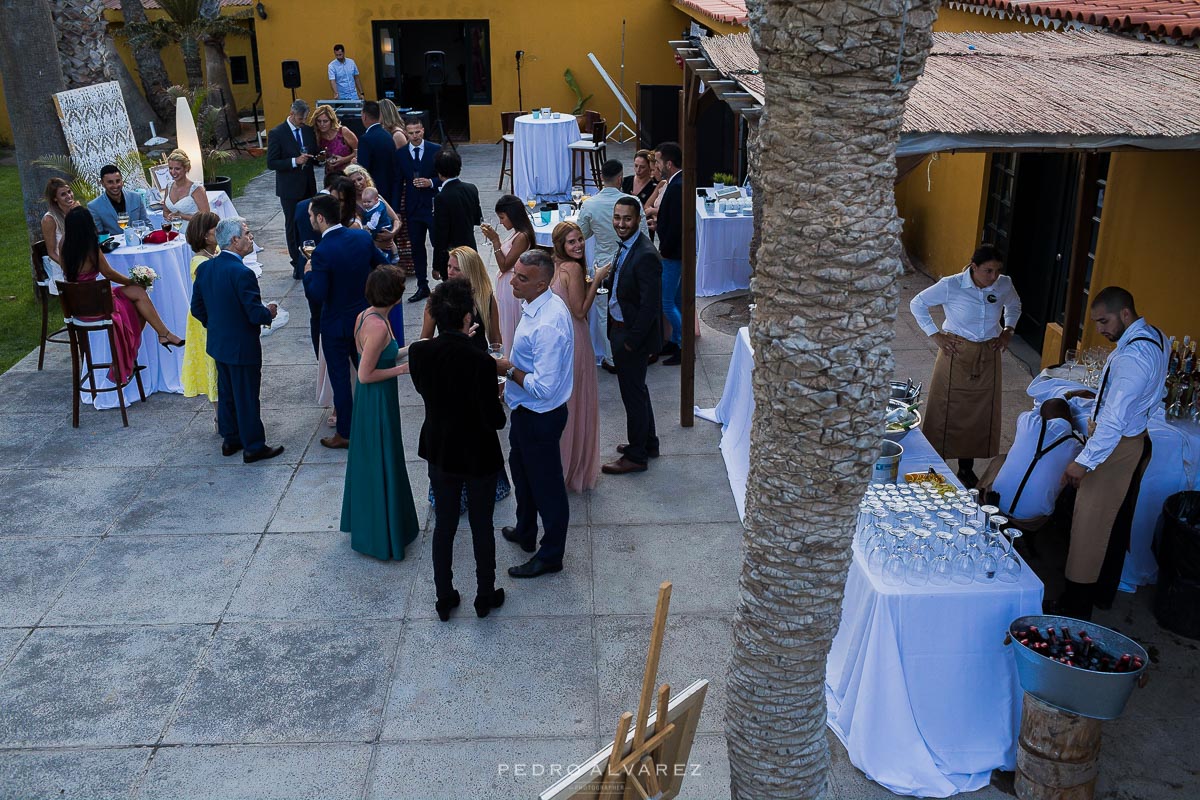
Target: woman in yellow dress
[[199, 370]]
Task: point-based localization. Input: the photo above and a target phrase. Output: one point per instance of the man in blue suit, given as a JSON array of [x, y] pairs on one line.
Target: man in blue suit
[[226, 301], [336, 277], [305, 233], [377, 153], [116, 200], [418, 180]]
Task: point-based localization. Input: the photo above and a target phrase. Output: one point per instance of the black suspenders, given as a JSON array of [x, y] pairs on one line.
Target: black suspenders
[[1037, 456], [1104, 382]]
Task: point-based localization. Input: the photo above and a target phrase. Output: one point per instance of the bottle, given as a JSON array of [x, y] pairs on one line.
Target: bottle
[[1124, 663], [1175, 361]]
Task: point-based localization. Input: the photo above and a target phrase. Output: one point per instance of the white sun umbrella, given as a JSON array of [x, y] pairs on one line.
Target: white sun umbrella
[[189, 140]]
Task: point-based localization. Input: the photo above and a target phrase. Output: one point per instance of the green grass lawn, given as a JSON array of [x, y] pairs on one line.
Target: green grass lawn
[[20, 315]]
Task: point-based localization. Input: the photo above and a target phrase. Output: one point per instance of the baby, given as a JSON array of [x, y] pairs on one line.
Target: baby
[[376, 221]]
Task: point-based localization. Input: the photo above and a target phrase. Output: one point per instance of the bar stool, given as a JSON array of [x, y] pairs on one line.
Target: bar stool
[[589, 153], [43, 287], [508, 121]]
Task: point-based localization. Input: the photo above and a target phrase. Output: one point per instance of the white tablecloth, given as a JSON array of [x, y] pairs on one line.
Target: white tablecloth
[[542, 158], [1174, 467], [920, 687], [734, 413], [544, 234], [217, 201], [722, 251], [172, 297]]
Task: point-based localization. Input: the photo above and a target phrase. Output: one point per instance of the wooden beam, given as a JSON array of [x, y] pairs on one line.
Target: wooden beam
[[687, 370], [1085, 206]]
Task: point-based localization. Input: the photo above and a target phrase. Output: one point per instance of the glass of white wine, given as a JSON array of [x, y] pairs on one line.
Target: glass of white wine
[[123, 220], [307, 247]]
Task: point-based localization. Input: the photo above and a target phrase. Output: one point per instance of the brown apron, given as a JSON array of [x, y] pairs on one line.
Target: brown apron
[[962, 415], [1100, 528]]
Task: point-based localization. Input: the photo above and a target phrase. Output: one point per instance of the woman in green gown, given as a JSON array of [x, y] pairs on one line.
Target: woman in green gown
[[377, 504]]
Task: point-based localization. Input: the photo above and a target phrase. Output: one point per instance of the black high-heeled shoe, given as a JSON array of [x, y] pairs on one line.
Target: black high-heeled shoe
[[445, 605], [162, 340]]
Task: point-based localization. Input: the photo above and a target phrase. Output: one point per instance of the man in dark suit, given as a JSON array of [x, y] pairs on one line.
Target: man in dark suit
[[336, 277], [635, 330], [669, 226], [456, 211], [377, 154], [116, 200], [306, 233], [291, 148], [418, 181], [226, 301]]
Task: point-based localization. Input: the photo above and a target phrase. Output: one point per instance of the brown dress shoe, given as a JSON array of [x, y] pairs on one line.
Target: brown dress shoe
[[336, 442], [622, 466]]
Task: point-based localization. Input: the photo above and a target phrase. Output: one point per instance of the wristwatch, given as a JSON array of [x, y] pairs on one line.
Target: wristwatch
[[508, 373]]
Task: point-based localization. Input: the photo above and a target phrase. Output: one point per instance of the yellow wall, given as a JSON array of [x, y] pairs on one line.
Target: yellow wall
[[1149, 240], [554, 37]]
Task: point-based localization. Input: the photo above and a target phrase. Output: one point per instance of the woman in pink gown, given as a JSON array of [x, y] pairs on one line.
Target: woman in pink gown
[[580, 442], [512, 215], [132, 309]]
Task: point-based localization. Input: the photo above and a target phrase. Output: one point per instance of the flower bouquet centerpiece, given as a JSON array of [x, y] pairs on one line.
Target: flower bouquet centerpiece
[[143, 276]]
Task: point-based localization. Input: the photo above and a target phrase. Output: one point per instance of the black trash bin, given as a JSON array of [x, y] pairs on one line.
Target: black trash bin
[[1177, 602]]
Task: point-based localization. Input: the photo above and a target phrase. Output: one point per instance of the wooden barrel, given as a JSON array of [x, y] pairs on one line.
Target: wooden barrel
[[1057, 753]]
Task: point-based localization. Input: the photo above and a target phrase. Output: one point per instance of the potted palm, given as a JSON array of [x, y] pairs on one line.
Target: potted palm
[[723, 179]]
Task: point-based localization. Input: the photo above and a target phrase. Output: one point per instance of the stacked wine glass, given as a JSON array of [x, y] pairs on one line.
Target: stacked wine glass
[[928, 533]]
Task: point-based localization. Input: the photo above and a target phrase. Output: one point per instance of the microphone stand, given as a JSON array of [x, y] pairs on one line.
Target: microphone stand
[[520, 99]]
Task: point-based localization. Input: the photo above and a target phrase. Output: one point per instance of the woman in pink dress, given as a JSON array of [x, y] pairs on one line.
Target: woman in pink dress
[[512, 215], [580, 442], [339, 143], [132, 309]]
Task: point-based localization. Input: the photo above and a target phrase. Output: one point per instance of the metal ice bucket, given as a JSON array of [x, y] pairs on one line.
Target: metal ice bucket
[[907, 391], [1099, 695]]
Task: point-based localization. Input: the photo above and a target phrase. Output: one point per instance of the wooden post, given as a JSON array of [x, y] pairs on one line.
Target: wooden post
[[687, 374], [1085, 206], [1057, 753]]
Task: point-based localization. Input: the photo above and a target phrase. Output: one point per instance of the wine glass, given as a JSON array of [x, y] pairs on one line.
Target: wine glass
[[307, 247], [1010, 564], [577, 197], [123, 220], [962, 567], [1071, 361], [496, 351], [177, 224], [166, 225]]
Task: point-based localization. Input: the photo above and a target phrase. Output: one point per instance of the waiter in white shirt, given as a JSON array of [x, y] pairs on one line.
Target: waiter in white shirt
[[540, 378], [1031, 477], [1109, 471], [962, 415]]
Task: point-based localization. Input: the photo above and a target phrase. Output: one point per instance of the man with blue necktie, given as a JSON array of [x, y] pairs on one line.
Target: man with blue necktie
[[291, 149], [418, 180], [227, 302]]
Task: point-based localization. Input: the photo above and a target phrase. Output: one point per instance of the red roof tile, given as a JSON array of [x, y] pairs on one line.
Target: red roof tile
[[732, 12], [1176, 19]]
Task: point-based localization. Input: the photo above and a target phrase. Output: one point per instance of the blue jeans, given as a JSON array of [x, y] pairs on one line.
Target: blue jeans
[[672, 297]]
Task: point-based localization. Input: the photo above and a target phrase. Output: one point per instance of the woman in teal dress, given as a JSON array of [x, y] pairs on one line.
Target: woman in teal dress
[[377, 504]]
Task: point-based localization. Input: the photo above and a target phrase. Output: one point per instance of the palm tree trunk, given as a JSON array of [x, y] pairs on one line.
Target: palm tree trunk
[[150, 68], [191, 61], [81, 32], [216, 66], [27, 28], [825, 282]]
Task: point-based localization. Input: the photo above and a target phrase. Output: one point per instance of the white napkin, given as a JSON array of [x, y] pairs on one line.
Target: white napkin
[[281, 319]]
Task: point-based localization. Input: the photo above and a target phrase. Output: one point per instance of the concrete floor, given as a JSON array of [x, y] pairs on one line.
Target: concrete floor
[[176, 624]]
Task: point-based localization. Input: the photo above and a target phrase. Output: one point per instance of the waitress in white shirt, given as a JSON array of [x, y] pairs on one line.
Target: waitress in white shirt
[[1109, 471], [962, 415]]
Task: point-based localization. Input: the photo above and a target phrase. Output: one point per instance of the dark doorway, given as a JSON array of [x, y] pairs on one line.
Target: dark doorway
[[400, 48], [1030, 216]]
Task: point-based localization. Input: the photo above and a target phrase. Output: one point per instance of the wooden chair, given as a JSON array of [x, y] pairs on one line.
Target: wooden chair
[[508, 120], [588, 121], [589, 154], [41, 292], [88, 307]]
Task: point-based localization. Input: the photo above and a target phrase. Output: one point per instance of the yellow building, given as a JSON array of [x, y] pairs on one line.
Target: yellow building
[[1140, 224]]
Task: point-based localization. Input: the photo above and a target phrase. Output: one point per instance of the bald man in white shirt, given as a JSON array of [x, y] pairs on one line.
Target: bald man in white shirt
[[962, 414]]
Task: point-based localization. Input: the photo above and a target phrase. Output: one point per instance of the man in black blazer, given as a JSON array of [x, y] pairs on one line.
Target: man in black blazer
[[226, 301], [377, 154], [418, 181], [635, 330], [291, 149], [669, 226], [305, 233], [456, 211], [336, 278]]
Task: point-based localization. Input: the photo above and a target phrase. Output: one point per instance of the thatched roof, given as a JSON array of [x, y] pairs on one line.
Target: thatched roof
[[1079, 89]]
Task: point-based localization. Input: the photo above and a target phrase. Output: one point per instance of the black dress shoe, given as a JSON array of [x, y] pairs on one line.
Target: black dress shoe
[[510, 533], [262, 455], [420, 294], [533, 568], [673, 360], [669, 349], [486, 602], [445, 605], [623, 466], [652, 453], [607, 366], [229, 449], [968, 478]]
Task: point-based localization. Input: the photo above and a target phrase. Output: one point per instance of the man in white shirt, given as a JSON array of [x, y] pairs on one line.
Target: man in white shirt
[[343, 76], [1108, 472], [540, 380], [1031, 477], [962, 414]]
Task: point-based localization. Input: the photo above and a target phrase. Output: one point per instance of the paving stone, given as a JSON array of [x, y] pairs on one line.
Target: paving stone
[[292, 346], [702, 562], [492, 677], [694, 647], [201, 444], [44, 391], [28, 434], [10, 640], [155, 580], [676, 489], [108, 774], [105, 443], [239, 498], [493, 769], [32, 573], [289, 388], [289, 682], [313, 500], [104, 686], [68, 502], [298, 576], [707, 775], [257, 772]]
